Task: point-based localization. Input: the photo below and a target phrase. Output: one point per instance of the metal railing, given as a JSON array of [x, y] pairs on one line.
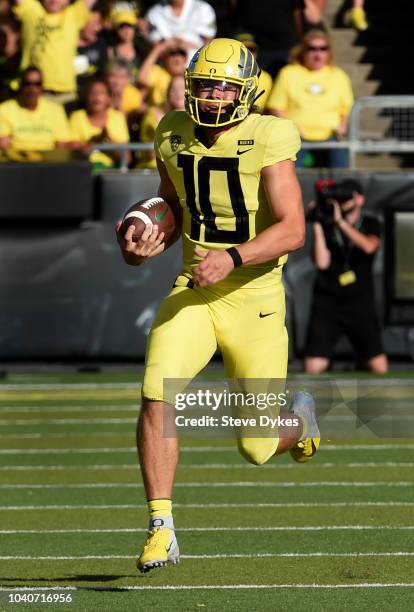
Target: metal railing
[[393, 116], [123, 150], [392, 131]]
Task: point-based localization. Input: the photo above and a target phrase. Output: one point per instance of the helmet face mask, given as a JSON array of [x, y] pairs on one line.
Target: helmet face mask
[[225, 66]]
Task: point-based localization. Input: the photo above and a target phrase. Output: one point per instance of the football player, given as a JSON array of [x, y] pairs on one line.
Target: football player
[[229, 175]]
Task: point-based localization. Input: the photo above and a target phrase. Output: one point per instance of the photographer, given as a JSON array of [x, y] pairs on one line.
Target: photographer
[[345, 242]]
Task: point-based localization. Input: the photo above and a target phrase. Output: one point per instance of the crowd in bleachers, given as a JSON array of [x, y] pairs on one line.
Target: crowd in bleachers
[[77, 74]]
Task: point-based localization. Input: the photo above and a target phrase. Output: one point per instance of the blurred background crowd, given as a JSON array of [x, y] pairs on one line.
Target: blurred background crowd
[[77, 74]]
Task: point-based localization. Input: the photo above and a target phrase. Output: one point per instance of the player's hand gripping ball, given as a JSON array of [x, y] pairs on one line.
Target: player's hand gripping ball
[[154, 211]]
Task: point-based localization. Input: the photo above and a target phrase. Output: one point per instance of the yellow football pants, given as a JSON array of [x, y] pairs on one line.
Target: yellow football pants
[[247, 324]]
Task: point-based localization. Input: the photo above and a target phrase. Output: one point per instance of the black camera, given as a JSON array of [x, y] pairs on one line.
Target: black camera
[[327, 190]]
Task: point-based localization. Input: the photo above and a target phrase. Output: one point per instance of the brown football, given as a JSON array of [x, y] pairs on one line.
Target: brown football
[[153, 211]]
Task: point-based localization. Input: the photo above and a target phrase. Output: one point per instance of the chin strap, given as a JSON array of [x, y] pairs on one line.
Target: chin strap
[[258, 96]]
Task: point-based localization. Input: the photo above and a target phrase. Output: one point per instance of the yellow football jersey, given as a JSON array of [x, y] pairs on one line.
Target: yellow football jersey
[[83, 131], [315, 100], [49, 41], [220, 187], [34, 130]]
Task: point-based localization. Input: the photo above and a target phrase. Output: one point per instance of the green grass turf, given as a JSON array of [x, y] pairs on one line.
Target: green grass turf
[[208, 517], [210, 466], [230, 456], [118, 573], [228, 600], [282, 474], [212, 542]]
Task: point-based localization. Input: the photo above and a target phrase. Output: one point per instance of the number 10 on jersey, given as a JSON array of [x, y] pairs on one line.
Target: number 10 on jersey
[[205, 215]]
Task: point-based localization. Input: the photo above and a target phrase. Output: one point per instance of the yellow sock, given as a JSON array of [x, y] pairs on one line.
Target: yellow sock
[[160, 511]]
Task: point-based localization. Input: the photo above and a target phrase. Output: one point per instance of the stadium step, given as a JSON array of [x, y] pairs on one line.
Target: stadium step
[[376, 62]]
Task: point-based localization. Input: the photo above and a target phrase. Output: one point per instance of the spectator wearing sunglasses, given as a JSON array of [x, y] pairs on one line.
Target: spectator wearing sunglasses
[[317, 96], [32, 123]]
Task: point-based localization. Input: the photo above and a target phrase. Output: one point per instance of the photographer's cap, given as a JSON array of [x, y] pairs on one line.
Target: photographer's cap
[[351, 184]]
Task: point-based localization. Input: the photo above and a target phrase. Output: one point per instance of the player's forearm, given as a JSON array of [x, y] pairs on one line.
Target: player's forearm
[[273, 242], [368, 244], [144, 73], [321, 253]]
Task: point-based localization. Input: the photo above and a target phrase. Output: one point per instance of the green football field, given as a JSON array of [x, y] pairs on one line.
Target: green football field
[[335, 534]]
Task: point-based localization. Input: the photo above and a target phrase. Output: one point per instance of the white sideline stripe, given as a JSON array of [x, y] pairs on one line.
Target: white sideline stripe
[[62, 408], [85, 421], [103, 449], [68, 434], [223, 556], [207, 506], [184, 449], [101, 421], [65, 451], [209, 466], [190, 587], [127, 485], [24, 388], [386, 382], [117, 421], [213, 529]]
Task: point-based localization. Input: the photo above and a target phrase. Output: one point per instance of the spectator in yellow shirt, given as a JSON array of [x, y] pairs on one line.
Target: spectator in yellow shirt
[[317, 96], [175, 101], [124, 96], [166, 60], [98, 123], [50, 32], [31, 123]]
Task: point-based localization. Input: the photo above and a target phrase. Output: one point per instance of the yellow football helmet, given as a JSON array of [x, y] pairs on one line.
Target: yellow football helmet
[[224, 64]]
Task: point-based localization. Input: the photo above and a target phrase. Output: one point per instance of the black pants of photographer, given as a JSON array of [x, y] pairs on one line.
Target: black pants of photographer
[[356, 318]]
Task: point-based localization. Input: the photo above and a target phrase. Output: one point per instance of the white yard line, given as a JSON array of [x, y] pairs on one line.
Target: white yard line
[[68, 434], [189, 587], [213, 529], [208, 485], [66, 451], [207, 506], [218, 556], [185, 449], [62, 408], [65, 421], [349, 382], [205, 466], [24, 388]]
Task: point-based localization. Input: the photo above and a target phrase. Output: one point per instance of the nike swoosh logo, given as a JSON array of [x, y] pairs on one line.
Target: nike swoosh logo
[[160, 216], [262, 316], [245, 151]]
